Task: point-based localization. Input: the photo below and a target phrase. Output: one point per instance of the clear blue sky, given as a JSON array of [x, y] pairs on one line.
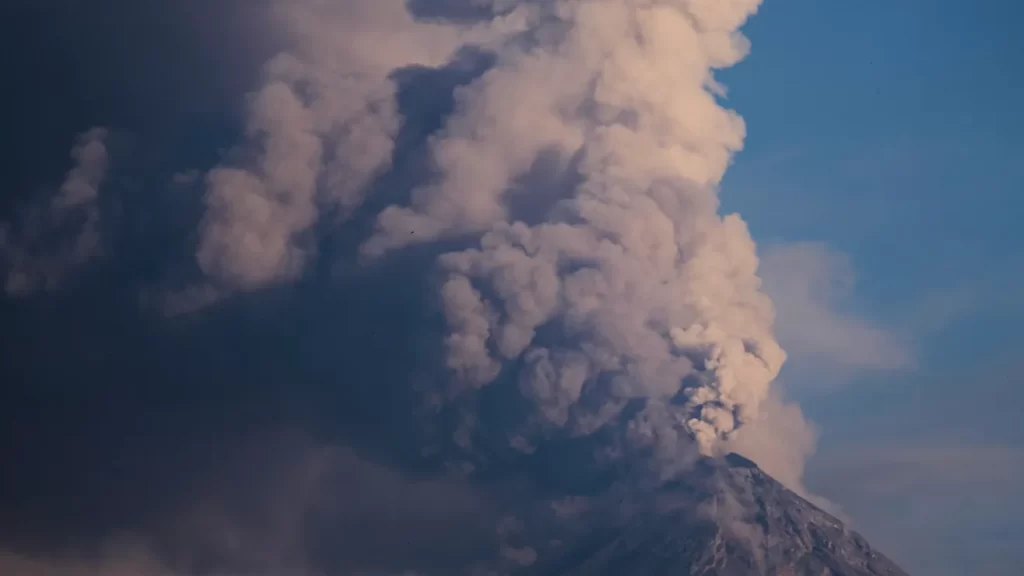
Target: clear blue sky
[[890, 132]]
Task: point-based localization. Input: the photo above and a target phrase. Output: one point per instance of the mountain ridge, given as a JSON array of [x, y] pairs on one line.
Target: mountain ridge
[[724, 517]]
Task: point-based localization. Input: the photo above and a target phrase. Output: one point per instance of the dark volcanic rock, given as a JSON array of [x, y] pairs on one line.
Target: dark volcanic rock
[[724, 518]]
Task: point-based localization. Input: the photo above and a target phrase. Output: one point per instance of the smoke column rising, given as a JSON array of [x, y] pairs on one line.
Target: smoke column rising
[[654, 296], [631, 289], [625, 308]]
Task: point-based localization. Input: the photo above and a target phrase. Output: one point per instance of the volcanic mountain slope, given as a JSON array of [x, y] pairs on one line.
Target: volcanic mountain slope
[[726, 518]]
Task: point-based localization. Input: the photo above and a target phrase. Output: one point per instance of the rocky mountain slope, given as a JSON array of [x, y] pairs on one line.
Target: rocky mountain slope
[[726, 518]]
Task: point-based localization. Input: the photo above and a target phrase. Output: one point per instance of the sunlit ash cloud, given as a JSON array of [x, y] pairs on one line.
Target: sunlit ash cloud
[[627, 289], [584, 274]]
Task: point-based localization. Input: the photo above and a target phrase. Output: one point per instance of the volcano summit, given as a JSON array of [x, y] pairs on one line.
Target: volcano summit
[[725, 518]]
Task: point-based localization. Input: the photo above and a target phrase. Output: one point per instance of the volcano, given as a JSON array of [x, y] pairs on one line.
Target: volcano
[[726, 517]]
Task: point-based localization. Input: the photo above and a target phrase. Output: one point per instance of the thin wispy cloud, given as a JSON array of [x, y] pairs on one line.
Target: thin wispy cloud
[[812, 287], [57, 235]]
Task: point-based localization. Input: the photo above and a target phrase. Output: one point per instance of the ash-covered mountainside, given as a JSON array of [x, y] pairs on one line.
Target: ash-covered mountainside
[[725, 518]]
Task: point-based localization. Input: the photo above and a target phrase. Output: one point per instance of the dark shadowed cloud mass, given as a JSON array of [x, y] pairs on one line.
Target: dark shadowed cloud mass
[[56, 235]]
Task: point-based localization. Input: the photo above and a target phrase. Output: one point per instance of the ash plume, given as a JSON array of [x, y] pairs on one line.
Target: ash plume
[[598, 318], [618, 302], [631, 287], [320, 128]]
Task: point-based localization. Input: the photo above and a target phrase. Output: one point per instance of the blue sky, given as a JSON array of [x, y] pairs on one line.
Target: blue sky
[[889, 133]]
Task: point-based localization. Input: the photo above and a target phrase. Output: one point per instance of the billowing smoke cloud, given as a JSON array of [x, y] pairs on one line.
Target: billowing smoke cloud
[[600, 283], [319, 129], [631, 288], [624, 289], [58, 235]]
